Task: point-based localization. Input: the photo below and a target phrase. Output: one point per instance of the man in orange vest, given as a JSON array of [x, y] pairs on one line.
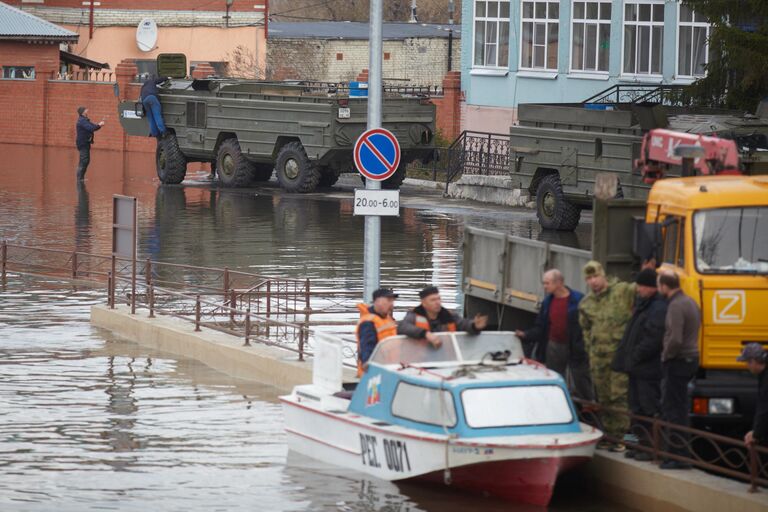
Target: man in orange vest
[[431, 317], [376, 323]]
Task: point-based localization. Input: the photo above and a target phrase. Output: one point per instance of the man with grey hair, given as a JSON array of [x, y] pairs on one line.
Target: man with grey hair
[[557, 334]]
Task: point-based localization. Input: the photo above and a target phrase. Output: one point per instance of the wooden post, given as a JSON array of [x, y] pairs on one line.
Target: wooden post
[[151, 301], [247, 327], [197, 314]]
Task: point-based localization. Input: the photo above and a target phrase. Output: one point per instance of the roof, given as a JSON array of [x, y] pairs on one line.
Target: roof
[[16, 24], [71, 58], [357, 30], [685, 194]]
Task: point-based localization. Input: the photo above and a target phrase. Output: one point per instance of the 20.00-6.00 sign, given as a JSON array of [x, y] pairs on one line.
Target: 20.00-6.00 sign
[[377, 202]]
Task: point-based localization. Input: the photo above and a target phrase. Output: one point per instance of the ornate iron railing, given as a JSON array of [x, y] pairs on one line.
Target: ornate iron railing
[[671, 95]]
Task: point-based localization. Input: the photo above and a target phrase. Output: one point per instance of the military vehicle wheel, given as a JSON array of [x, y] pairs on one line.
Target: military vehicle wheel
[[329, 176], [262, 172], [233, 168], [394, 181], [295, 171], [552, 208], [170, 161]]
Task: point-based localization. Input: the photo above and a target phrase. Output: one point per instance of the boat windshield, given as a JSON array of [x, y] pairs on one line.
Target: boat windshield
[[731, 240], [459, 347]]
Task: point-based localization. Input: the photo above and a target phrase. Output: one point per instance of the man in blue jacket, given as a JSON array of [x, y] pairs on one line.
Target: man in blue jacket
[[557, 334], [152, 108], [85, 130]]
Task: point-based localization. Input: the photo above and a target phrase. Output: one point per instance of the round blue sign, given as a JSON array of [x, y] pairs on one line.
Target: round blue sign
[[377, 154]]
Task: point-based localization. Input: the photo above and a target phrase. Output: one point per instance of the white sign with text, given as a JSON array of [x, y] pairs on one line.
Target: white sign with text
[[377, 202]]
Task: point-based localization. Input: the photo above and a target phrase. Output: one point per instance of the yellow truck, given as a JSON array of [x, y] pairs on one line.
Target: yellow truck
[[712, 231]]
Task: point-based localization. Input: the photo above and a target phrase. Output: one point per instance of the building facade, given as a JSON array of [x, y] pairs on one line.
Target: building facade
[[545, 51], [204, 31]]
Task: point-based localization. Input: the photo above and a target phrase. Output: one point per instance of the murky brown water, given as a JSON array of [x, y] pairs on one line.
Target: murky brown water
[[88, 422]]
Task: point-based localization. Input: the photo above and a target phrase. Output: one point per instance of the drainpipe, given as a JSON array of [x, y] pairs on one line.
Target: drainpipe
[[451, 9], [90, 19]]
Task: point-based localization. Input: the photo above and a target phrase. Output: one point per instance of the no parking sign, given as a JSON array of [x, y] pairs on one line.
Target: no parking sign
[[377, 154]]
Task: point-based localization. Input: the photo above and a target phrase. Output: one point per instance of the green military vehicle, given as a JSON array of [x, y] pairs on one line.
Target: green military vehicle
[[556, 150], [248, 129]]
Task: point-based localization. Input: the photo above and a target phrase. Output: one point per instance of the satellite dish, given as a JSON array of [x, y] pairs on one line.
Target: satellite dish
[[146, 35]]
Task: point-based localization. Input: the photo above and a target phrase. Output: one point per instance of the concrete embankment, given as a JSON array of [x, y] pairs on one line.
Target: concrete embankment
[[638, 485], [488, 189]]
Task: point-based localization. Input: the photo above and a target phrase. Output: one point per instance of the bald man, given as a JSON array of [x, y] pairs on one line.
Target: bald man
[[557, 334]]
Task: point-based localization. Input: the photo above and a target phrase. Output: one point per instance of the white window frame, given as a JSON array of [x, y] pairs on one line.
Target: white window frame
[[547, 21], [634, 74], [498, 20], [597, 22], [693, 24]]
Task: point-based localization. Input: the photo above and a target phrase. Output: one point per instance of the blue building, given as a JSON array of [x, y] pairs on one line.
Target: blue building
[[531, 51]]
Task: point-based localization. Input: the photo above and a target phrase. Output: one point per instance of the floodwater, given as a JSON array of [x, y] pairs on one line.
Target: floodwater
[[88, 422]]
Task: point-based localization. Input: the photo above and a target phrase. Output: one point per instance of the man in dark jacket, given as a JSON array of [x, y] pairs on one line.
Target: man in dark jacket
[[152, 108], [757, 361], [557, 335], [85, 130], [639, 356], [431, 317]]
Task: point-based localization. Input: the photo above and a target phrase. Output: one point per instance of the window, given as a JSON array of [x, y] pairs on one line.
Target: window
[[491, 45], [196, 114], [692, 43], [18, 72], [672, 240], [731, 240], [516, 406], [541, 22], [591, 36], [643, 37], [424, 405]]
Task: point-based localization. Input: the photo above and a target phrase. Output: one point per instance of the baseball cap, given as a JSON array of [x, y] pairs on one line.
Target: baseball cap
[[593, 268], [384, 292], [429, 290], [751, 351]]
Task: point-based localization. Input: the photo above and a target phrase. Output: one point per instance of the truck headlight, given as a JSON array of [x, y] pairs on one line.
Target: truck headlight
[[721, 406]]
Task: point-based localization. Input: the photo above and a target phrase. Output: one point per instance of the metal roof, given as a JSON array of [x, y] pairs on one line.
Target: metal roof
[[17, 24], [357, 30]]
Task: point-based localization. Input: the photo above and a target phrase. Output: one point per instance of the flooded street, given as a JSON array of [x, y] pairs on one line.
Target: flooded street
[[89, 422]]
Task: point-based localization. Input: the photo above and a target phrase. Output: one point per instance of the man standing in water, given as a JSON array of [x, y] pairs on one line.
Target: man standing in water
[[85, 130]]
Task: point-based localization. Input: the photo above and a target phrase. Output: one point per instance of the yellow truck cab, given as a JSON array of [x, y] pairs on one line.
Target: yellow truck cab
[[714, 234]]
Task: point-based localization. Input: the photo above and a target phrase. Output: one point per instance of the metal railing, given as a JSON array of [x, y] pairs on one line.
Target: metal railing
[[714, 453], [480, 153], [671, 95]]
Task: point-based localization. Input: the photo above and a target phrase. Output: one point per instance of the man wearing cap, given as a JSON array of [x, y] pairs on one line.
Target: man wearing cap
[[603, 316], [152, 106], [431, 317], [757, 360], [85, 130], [639, 356], [376, 323]]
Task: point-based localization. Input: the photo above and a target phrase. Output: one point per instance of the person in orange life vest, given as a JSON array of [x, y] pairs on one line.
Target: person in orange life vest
[[431, 317], [376, 323]]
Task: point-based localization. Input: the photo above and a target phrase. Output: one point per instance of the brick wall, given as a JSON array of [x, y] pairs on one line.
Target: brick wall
[[417, 61], [181, 5]]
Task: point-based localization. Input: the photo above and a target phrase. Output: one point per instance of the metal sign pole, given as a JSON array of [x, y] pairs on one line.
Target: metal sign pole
[[372, 247]]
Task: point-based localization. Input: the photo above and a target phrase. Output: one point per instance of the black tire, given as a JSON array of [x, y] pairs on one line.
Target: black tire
[[394, 181], [329, 176], [233, 168], [170, 161], [262, 172], [552, 208], [295, 171]]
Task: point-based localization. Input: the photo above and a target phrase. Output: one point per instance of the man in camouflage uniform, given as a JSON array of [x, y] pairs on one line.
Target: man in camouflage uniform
[[603, 315]]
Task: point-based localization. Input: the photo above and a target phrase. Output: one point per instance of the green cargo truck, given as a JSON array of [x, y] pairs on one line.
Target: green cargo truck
[[248, 129]]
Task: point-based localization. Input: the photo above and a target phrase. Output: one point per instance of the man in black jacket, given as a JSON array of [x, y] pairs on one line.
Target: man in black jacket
[[757, 360], [85, 130], [639, 356]]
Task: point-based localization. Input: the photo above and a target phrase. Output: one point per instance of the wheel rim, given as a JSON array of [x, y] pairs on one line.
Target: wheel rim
[[227, 165], [549, 204], [291, 169]]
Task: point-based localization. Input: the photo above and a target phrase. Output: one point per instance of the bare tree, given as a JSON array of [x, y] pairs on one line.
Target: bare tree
[[242, 63]]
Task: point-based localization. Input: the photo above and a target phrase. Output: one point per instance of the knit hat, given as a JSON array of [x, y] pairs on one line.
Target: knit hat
[[80, 110], [593, 268], [752, 351], [647, 277]]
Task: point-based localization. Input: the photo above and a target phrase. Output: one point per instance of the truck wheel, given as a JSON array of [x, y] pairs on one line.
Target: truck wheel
[[262, 172], [231, 165], [329, 176], [295, 171], [552, 208], [394, 181], [170, 161]]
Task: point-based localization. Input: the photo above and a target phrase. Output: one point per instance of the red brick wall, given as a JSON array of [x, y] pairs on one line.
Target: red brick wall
[[152, 5]]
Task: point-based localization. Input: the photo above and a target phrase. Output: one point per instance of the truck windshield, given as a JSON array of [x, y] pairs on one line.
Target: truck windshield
[[731, 240]]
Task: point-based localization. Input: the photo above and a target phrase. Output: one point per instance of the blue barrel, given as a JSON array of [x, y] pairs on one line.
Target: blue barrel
[[358, 89]]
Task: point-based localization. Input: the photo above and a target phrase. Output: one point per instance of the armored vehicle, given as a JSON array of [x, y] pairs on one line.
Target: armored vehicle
[[248, 129], [557, 149]]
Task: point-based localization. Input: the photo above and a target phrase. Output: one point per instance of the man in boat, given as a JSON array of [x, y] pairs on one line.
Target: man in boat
[[376, 323], [603, 316], [557, 334], [431, 317], [639, 356]]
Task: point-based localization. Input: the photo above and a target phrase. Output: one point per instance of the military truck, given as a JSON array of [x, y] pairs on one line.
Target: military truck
[[557, 149], [248, 129], [712, 231]]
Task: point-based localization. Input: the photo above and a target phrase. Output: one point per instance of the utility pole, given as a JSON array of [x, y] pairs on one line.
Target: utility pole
[[414, 18], [372, 247]]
